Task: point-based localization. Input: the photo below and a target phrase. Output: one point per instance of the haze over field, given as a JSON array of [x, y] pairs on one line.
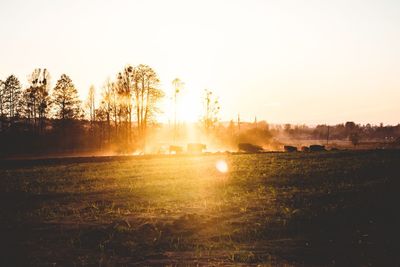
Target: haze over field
[[283, 61]]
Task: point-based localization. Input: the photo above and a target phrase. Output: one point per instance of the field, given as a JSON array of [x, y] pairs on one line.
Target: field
[[308, 209]]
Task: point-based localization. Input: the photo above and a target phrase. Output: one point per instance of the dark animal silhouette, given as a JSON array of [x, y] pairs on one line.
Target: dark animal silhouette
[[249, 148], [290, 148], [316, 148]]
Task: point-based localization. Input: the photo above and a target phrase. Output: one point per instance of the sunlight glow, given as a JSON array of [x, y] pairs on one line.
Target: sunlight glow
[[221, 166], [189, 109], [189, 106]]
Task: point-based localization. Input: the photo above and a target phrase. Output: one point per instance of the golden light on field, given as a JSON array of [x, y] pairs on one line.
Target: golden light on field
[[221, 166]]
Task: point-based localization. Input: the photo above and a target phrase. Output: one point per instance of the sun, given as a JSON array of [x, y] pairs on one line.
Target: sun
[[189, 109], [189, 105]]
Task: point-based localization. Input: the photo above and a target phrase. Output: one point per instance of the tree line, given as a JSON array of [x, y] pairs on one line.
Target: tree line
[[44, 119], [343, 131], [40, 118]]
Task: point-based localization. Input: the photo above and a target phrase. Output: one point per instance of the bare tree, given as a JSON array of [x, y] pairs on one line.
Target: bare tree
[[134, 93], [178, 86], [2, 100], [36, 97], [2, 95], [211, 111], [146, 94], [110, 109], [90, 103], [124, 87], [108, 104], [354, 137]]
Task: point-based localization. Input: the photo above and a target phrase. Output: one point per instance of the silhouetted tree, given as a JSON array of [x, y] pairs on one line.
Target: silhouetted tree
[[36, 99], [66, 100], [90, 103], [146, 94], [211, 110], [1, 99], [107, 106], [178, 86], [350, 127], [355, 138], [124, 88], [12, 97], [134, 93], [287, 128]]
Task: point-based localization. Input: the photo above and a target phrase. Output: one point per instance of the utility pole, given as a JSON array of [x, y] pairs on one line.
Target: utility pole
[[175, 115]]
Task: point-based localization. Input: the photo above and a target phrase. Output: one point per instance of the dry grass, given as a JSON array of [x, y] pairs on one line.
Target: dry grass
[[302, 209]]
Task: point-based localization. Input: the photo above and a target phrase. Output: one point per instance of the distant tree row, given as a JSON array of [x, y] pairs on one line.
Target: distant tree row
[[345, 131], [35, 104], [40, 118]]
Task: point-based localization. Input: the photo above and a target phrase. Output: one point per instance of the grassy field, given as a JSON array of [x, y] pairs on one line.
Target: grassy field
[[328, 208]]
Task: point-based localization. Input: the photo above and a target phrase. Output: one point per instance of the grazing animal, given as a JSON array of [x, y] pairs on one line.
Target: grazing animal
[[195, 148], [290, 148], [175, 149], [316, 148], [250, 148]]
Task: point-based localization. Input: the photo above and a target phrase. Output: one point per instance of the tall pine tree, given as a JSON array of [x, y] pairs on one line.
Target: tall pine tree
[[12, 97], [65, 98]]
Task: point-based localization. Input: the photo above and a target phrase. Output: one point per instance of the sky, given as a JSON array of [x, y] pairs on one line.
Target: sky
[[286, 61]]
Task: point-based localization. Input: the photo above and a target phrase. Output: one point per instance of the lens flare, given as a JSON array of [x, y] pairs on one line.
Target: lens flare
[[221, 166]]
